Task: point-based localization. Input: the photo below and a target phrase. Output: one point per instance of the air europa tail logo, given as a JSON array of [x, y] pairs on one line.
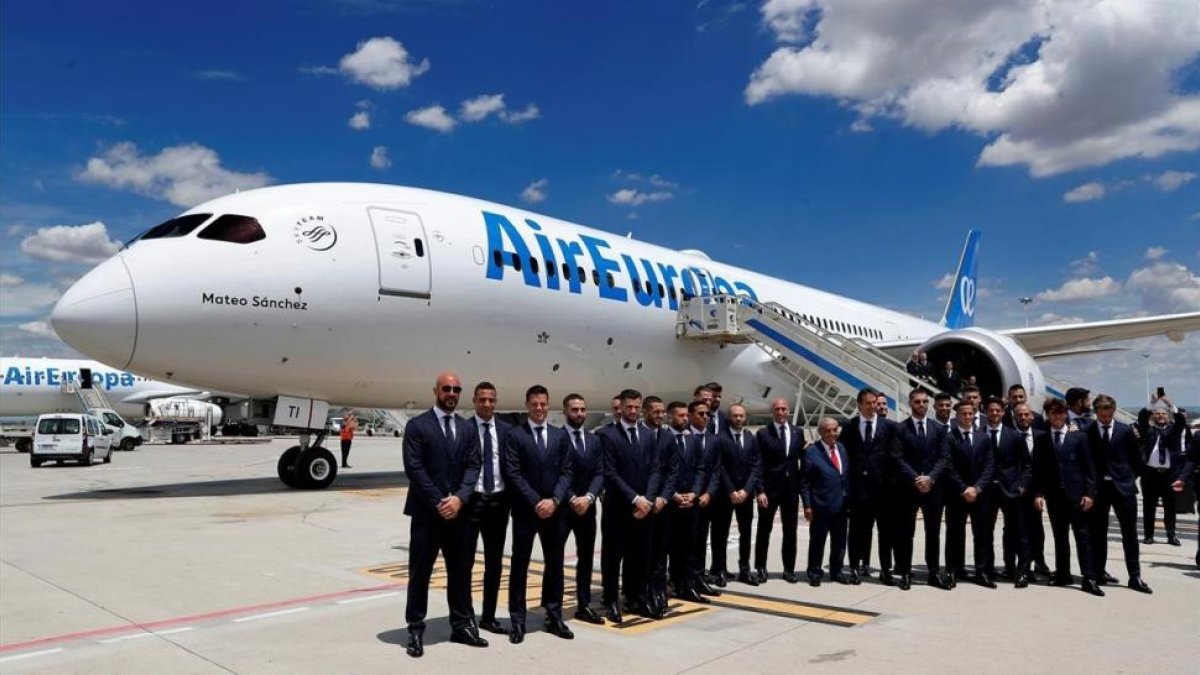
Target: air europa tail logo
[[616, 276], [314, 233]]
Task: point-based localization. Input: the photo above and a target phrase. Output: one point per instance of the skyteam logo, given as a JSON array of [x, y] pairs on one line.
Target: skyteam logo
[[312, 232], [966, 295]]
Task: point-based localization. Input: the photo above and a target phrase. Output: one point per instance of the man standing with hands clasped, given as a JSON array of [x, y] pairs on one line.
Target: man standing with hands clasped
[[824, 489]]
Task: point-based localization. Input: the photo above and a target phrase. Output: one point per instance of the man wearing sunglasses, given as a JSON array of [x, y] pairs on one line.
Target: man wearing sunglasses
[[442, 463]]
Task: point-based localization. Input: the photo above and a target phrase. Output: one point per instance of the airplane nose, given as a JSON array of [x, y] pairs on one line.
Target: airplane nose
[[98, 314]]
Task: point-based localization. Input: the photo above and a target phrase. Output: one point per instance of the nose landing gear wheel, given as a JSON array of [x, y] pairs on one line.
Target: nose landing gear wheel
[[287, 467], [316, 469]]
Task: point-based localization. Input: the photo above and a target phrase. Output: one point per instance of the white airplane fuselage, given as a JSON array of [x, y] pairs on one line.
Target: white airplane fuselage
[[33, 386], [361, 294]]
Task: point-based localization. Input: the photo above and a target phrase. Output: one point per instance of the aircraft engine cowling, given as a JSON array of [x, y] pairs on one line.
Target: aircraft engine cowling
[[997, 361]]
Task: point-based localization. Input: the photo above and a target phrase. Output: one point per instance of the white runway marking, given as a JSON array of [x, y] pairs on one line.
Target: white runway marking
[[269, 615], [31, 655], [365, 598]]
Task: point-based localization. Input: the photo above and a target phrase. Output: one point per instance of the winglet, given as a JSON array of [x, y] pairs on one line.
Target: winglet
[[960, 307]]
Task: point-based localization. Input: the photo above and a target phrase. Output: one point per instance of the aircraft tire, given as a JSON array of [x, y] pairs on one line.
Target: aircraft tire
[[287, 467], [317, 468]]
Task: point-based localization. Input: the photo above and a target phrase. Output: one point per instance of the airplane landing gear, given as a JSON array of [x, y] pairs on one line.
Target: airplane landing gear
[[308, 467]]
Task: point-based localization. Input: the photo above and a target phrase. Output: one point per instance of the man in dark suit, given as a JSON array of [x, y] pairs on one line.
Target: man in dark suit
[[654, 414], [825, 491], [967, 476], [708, 448], [1023, 421], [1016, 397], [629, 467], [779, 446], [943, 412], [1162, 451], [1064, 483], [1118, 461], [741, 477], [1011, 474], [873, 442], [489, 506], [948, 379], [691, 475], [718, 421], [924, 454], [1190, 472], [587, 481], [441, 461], [1079, 407], [539, 477]]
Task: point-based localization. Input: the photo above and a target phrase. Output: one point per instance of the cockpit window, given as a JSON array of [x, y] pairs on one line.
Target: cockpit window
[[236, 229], [175, 227]]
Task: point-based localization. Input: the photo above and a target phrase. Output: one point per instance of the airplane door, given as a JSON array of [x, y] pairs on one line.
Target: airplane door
[[403, 250]]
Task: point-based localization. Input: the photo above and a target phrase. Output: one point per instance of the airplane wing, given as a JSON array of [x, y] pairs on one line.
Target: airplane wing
[[1045, 340]]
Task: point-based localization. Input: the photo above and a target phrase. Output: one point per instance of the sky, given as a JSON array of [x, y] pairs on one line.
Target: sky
[[843, 144]]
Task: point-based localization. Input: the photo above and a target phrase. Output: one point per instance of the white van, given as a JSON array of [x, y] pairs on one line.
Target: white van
[[72, 436]]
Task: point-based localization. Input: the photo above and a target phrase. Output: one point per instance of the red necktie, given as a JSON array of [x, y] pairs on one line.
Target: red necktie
[[833, 457]]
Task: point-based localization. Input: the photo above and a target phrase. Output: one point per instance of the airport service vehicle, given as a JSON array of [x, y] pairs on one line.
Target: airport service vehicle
[[71, 436], [266, 292]]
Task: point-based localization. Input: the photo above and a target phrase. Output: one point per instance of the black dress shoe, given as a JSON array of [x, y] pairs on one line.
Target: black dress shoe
[[517, 634], [854, 578], [864, 571], [493, 626], [703, 588], [985, 581], [559, 628], [416, 644], [652, 610], [469, 637], [1090, 586], [1041, 569], [693, 596], [791, 577], [1107, 578], [1148, 540], [761, 573], [1173, 540], [842, 578], [814, 581], [588, 615], [613, 612], [904, 582], [939, 580], [886, 578], [1007, 574], [1021, 581], [1066, 580], [1138, 585], [748, 578]]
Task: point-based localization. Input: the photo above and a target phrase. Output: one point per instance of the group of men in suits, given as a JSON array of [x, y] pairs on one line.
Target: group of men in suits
[[670, 479]]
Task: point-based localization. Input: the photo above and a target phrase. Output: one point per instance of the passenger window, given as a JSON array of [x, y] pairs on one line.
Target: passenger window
[[596, 277], [661, 292], [671, 293], [611, 281], [234, 229], [582, 275], [175, 227], [566, 272], [420, 246], [533, 264], [517, 263], [550, 270]]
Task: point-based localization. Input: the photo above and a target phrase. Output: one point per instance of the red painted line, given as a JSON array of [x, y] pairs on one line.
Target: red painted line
[[192, 618]]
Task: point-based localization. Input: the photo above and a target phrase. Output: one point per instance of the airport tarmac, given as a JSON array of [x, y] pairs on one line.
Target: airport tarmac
[[195, 559]]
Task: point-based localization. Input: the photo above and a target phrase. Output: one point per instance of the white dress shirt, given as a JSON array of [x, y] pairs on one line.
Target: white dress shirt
[[479, 422]]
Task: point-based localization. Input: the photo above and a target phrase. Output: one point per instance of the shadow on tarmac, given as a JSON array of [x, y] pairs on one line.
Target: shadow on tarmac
[[237, 486]]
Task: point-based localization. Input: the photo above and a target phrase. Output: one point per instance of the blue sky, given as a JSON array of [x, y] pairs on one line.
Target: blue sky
[[848, 148]]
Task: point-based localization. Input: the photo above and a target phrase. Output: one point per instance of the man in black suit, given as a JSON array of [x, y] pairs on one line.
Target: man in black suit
[[691, 474], [441, 461], [943, 412], [825, 492], [1023, 422], [489, 506], [967, 476], [718, 420], [629, 468], [1017, 397], [587, 481], [708, 448], [654, 413], [948, 379], [741, 477], [1064, 483], [779, 446], [873, 442], [1011, 474], [923, 458], [539, 477], [1079, 407], [1118, 461], [1162, 449]]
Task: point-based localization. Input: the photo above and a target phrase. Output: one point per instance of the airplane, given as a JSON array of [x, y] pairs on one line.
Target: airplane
[[360, 293]]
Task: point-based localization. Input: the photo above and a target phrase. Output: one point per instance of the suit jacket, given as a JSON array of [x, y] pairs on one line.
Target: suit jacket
[[970, 465], [823, 488], [587, 464], [533, 475], [502, 430], [929, 458], [870, 464], [780, 465], [662, 483], [948, 383], [1172, 438], [742, 466], [1119, 459], [629, 470], [693, 467], [1065, 471], [719, 424], [1039, 422], [436, 466], [1011, 470]]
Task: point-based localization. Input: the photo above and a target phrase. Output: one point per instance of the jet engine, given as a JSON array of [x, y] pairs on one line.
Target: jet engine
[[997, 361]]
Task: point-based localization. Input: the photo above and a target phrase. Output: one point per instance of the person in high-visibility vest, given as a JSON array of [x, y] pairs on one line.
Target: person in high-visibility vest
[[349, 424]]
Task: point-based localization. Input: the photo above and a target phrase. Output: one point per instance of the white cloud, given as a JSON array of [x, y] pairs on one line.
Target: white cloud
[[67, 243], [382, 63], [228, 75], [1085, 193], [360, 120], [633, 197], [1052, 319], [1170, 181], [39, 328], [530, 112], [379, 157], [1087, 264], [535, 192], [434, 117], [1155, 252], [1054, 85], [1166, 287], [319, 70], [10, 280], [27, 299], [946, 282], [477, 109], [184, 175], [1081, 289]]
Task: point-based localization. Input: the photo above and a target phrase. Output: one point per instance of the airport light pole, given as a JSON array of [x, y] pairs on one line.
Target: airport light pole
[[1025, 307]]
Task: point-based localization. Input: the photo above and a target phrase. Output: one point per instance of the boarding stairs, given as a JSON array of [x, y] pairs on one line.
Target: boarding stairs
[[90, 398], [829, 368]]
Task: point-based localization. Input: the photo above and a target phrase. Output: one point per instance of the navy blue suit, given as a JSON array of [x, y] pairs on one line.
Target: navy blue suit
[[871, 488], [534, 475], [438, 467], [970, 466], [920, 456], [1165, 446], [741, 470], [587, 478], [662, 487], [825, 490], [1118, 462], [1011, 475], [718, 504], [630, 471], [1063, 475], [781, 485], [489, 518], [695, 473]]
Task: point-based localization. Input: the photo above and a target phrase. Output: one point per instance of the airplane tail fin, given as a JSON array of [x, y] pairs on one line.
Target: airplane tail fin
[[960, 307]]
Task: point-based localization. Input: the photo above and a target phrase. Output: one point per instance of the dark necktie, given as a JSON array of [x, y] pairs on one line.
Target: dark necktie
[[970, 446], [1162, 447], [995, 439], [489, 472], [681, 446], [632, 435], [867, 434], [1105, 433], [1027, 446], [579, 444], [741, 444], [1057, 440], [446, 428], [539, 439], [921, 430]]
